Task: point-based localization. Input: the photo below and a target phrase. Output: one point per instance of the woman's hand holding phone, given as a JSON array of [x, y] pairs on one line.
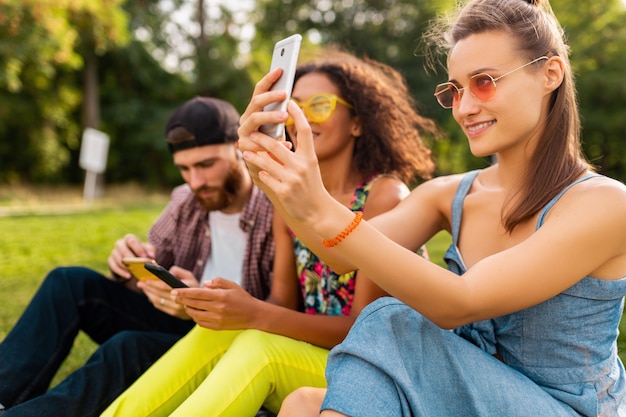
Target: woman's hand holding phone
[[291, 180], [284, 56]]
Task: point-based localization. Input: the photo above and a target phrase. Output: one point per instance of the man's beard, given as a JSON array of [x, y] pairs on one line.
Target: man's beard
[[224, 195]]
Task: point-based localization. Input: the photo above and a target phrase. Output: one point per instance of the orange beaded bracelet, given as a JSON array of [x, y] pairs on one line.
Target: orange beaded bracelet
[[358, 216]]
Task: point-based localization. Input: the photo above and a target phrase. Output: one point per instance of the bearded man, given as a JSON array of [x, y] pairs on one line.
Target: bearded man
[[217, 224]]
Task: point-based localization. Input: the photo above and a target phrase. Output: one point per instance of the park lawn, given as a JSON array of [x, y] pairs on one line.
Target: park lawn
[[31, 245], [34, 244]]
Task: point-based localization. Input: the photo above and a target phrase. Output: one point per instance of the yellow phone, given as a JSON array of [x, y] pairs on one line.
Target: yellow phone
[[136, 267]]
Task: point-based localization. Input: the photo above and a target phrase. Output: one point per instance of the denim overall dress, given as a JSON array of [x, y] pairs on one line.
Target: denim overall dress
[[559, 358]]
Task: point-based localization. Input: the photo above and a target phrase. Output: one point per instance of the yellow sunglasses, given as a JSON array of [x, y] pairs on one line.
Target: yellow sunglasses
[[319, 108]]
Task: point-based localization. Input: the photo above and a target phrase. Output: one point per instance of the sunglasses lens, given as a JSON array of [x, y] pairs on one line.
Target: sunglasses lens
[[320, 109], [482, 86], [447, 95]]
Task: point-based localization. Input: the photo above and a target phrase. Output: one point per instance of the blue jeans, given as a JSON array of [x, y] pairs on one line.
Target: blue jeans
[[404, 365], [132, 334]]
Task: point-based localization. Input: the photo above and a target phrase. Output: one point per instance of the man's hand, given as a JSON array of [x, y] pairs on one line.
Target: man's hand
[[220, 305], [129, 245], [160, 294]]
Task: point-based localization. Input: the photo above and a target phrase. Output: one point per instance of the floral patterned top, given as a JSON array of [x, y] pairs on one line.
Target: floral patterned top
[[323, 291]]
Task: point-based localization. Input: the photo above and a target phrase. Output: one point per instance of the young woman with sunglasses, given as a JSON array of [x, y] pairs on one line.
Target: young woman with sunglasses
[[538, 238], [218, 369]]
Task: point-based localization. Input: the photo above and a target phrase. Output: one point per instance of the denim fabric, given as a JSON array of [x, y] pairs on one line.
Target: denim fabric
[[560, 356], [395, 362], [131, 332]]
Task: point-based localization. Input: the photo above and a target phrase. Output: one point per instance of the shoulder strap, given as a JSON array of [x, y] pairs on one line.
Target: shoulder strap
[[546, 209], [362, 191], [457, 203]]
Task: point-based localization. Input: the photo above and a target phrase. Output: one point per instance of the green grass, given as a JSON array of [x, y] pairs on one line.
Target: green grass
[[31, 245]]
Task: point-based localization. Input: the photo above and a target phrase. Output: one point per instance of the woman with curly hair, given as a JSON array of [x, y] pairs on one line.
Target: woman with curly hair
[[246, 353]]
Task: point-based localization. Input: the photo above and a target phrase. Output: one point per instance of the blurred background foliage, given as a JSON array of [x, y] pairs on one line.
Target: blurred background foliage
[[122, 66]]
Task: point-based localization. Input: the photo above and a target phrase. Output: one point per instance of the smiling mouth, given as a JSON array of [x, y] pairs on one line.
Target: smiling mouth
[[479, 126]]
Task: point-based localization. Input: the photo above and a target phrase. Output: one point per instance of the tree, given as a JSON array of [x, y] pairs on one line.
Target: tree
[[70, 64], [121, 49], [216, 71], [167, 62], [597, 35], [39, 57], [390, 31]]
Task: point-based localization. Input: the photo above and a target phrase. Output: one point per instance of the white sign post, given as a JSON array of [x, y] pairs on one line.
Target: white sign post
[[93, 159]]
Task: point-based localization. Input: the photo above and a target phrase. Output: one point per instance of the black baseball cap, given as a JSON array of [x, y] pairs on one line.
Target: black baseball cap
[[210, 120]]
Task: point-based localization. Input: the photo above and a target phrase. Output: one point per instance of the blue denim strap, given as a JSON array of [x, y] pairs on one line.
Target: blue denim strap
[[544, 212], [457, 203]]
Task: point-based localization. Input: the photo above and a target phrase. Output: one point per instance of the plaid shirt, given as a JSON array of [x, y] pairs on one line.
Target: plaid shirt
[[182, 237]]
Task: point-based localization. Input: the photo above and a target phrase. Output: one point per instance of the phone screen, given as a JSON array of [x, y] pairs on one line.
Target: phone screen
[[165, 275], [285, 56]]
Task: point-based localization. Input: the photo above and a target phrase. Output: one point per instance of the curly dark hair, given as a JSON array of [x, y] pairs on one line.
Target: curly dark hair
[[391, 127]]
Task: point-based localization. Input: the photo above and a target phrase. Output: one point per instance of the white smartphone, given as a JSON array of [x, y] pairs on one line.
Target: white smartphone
[[285, 56]]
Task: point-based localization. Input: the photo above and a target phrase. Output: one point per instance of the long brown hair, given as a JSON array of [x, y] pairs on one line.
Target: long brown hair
[[558, 159], [391, 140]]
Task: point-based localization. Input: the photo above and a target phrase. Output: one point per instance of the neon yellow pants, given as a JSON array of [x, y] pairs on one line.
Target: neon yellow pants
[[223, 373]]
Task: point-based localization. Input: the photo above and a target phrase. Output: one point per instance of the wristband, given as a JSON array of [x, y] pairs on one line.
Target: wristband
[[358, 216]]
